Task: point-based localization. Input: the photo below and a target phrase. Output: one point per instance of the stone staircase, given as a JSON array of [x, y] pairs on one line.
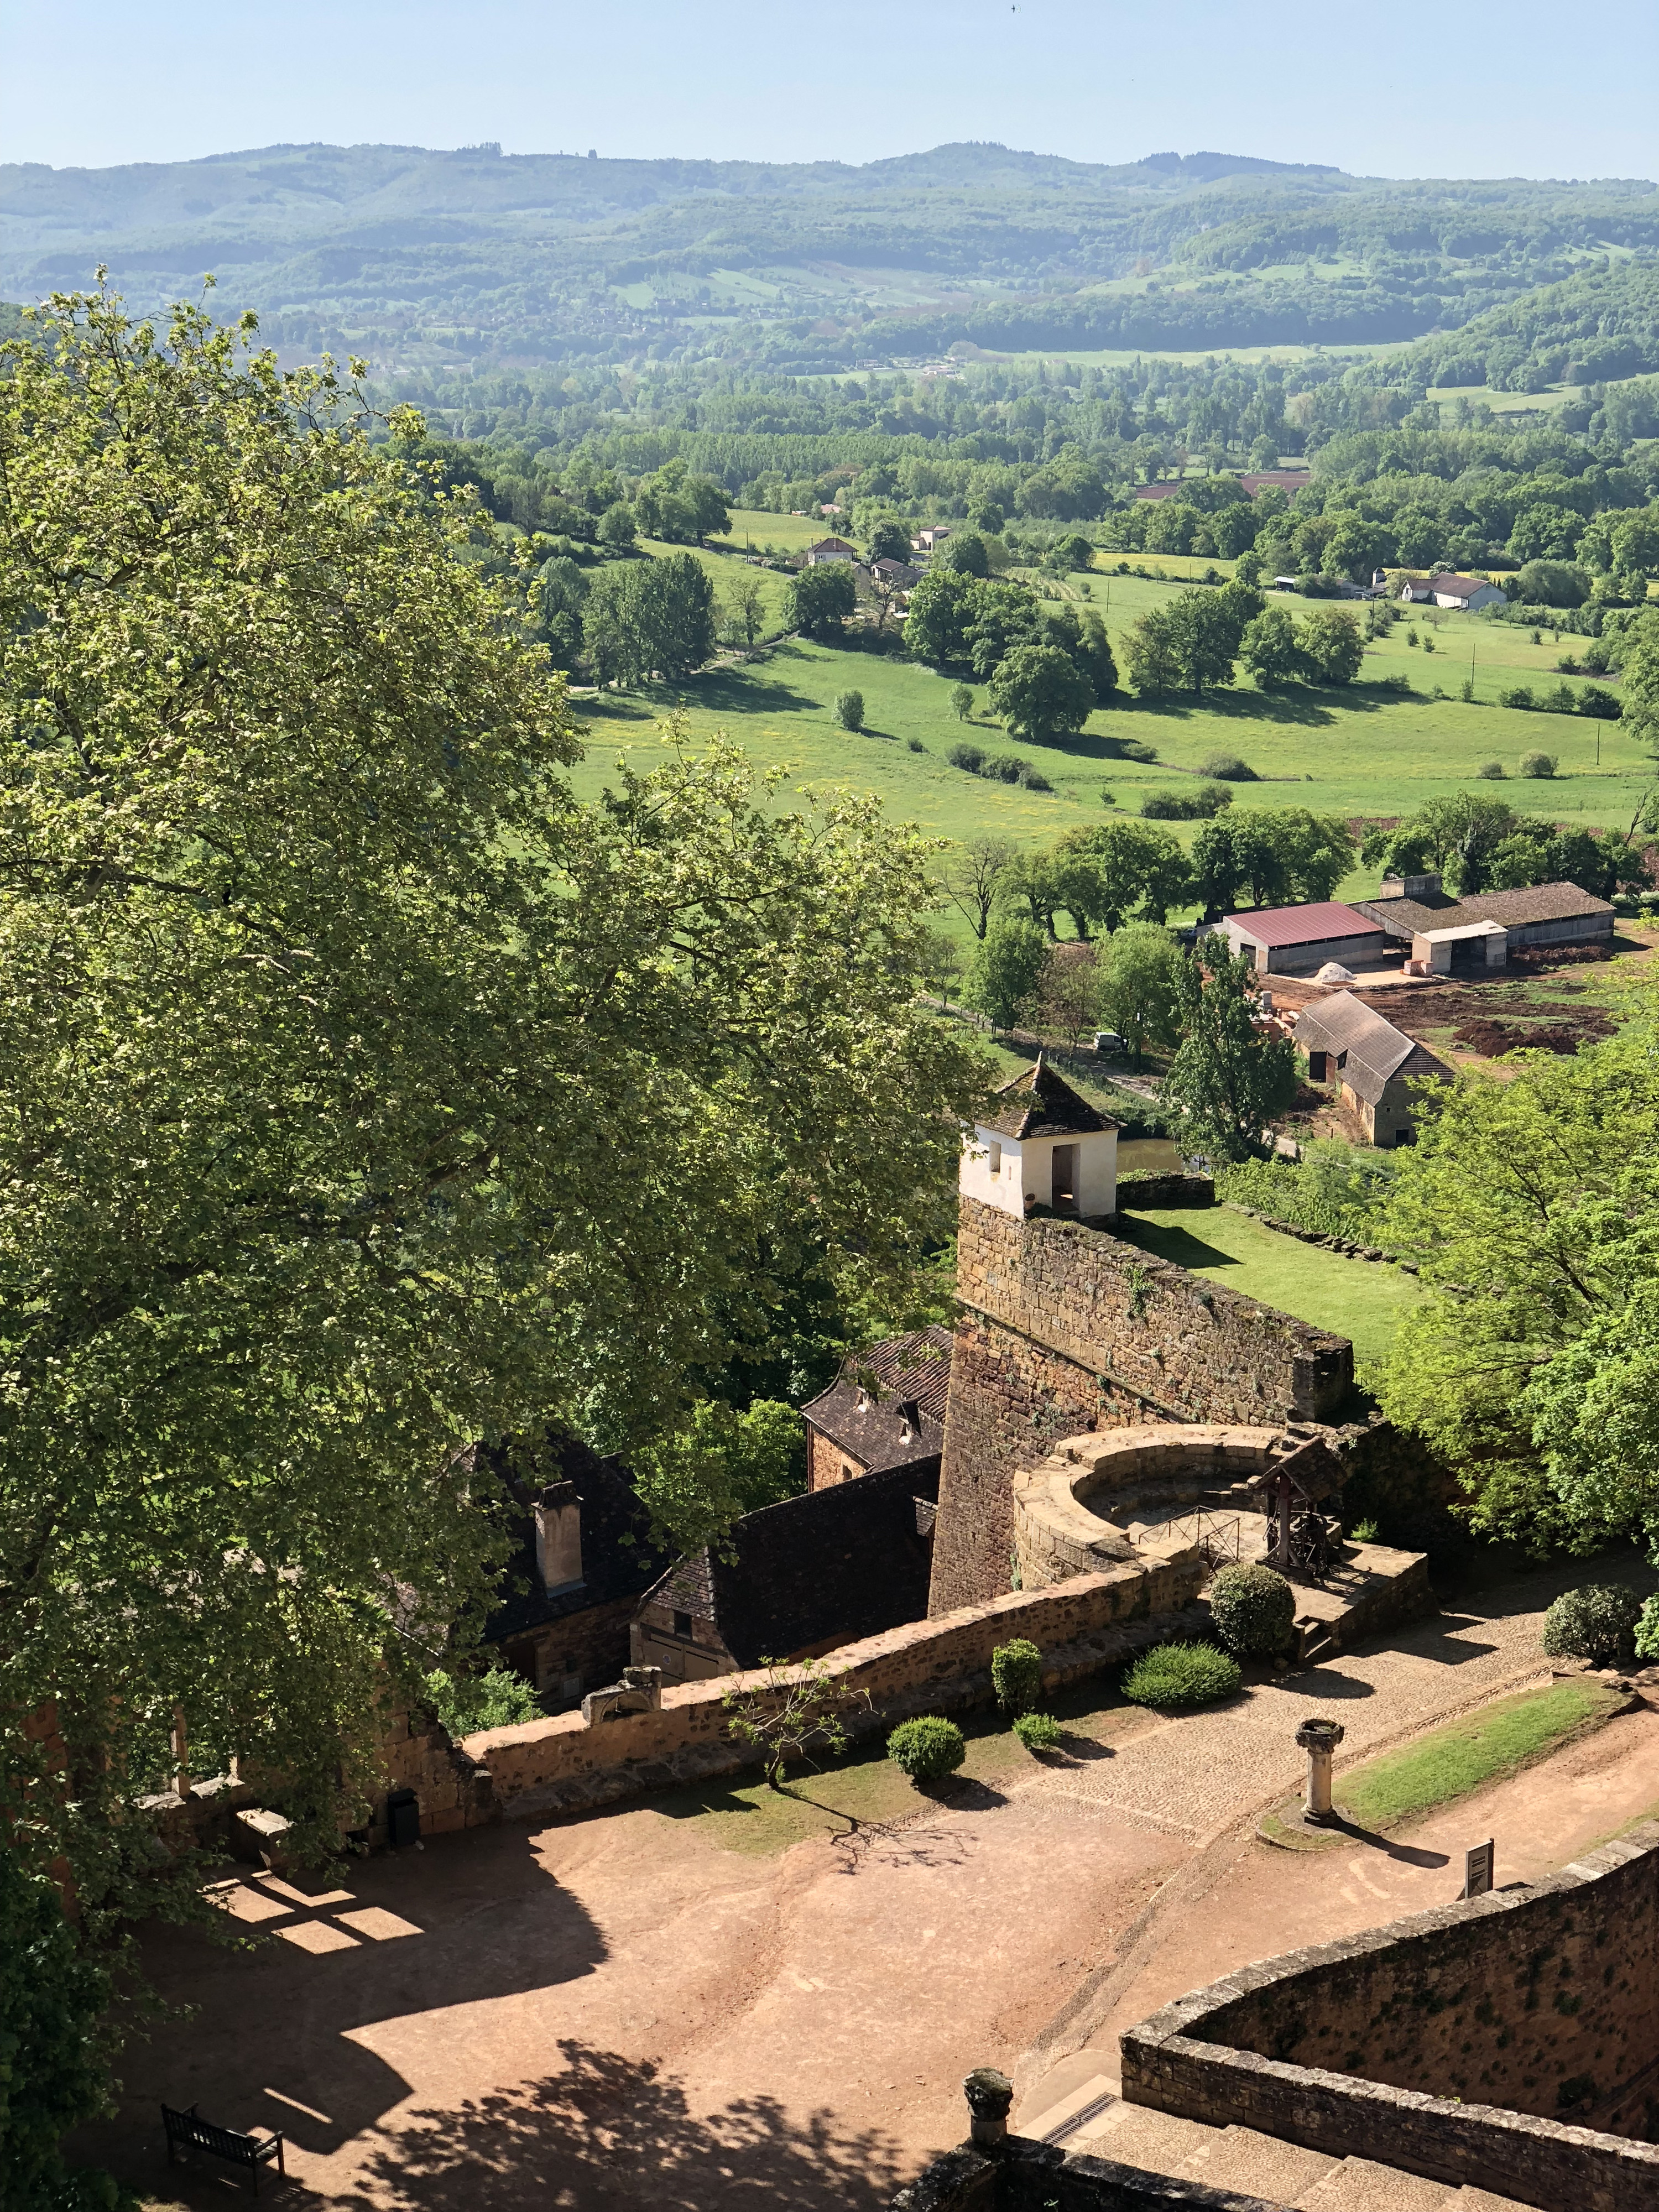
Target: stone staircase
[[1261, 2165]]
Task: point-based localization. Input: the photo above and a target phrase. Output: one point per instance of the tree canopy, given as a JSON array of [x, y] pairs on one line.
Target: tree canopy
[[366, 1095]]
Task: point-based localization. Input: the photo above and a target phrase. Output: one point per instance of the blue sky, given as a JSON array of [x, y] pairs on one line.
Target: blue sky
[[1516, 88]]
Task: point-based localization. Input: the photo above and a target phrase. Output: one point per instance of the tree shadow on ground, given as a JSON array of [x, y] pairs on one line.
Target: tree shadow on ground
[[711, 691], [1302, 709], [271, 2037], [609, 2134], [1179, 1245]]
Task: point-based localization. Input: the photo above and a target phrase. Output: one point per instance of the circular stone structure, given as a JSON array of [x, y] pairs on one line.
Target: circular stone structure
[[1101, 1498]]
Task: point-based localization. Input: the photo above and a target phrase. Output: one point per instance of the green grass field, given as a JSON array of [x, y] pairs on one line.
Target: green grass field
[[1484, 1746], [1360, 1299], [1357, 752], [752, 528]]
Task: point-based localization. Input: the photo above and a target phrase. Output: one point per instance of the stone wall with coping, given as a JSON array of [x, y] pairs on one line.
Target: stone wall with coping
[[1064, 1328], [1469, 2043], [1023, 2176], [926, 1666]]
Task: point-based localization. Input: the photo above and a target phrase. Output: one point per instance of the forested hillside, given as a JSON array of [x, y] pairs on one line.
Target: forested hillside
[[420, 259]]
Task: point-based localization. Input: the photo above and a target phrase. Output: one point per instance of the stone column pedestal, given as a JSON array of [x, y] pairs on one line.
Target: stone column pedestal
[[990, 2095], [1319, 1738]]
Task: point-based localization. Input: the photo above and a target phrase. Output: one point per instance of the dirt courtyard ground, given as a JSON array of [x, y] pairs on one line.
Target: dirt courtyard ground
[[688, 2003]]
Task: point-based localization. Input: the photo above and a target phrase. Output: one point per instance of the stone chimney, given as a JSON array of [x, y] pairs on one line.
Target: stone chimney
[[559, 1537]]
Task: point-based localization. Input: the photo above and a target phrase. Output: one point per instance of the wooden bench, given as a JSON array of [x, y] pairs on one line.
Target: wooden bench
[[251, 2151]]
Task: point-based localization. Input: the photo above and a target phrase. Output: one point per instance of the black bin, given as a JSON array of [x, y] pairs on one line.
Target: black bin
[[403, 1820]]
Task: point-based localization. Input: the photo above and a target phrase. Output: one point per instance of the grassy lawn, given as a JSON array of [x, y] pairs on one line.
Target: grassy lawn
[[1483, 1747], [1357, 752], [1361, 1299], [753, 529], [866, 1789]]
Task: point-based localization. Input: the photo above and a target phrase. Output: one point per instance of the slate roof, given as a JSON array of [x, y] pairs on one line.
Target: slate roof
[[1040, 1104], [914, 1370], [1404, 917], [831, 1566], [1377, 1051], [610, 1512], [1304, 924]]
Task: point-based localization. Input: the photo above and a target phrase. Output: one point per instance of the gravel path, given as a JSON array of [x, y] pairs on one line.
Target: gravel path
[[1193, 1777]]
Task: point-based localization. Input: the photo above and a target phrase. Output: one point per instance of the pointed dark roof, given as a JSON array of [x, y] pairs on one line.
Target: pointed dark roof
[[1040, 1103], [823, 1569]]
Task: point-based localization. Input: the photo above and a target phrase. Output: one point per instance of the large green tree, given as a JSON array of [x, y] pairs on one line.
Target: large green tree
[[820, 599], [1040, 693], [367, 1096], [1228, 1080], [1531, 1205]]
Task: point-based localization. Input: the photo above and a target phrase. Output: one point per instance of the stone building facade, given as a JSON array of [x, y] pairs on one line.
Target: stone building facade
[[1065, 1328]]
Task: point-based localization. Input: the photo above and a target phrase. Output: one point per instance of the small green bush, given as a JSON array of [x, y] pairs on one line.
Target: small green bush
[[1516, 695], [1003, 767], [1538, 764], [970, 757], [1227, 767], [849, 709], [1492, 770], [915, 744], [1365, 1532], [1033, 779], [497, 1699], [1647, 1631], [1175, 1674], [961, 703], [927, 1749], [1253, 1607], [1038, 1731], [1597, 1623], [1017, 1674]]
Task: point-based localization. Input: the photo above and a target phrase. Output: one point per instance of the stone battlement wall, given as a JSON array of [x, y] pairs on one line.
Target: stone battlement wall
[[927, 1666], [1508, 2041], [1064, 1328]]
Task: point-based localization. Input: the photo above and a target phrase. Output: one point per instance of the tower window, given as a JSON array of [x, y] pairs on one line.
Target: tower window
[[996, 1159]]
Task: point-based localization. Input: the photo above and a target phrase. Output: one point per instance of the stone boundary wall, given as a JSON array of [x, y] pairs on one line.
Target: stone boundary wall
[[1065, 1328], [1171, 1189], [1399, 2044], [926, 1666], [1023, 2176]]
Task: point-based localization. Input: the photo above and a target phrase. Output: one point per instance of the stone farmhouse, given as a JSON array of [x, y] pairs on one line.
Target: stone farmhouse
[[1449, 935], [796, 1579], [1445, 589], [1373, 1065], [885, 1411], [582, 1560]]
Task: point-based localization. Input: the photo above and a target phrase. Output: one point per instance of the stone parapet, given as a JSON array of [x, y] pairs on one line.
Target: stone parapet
[[1466, 2043], [1084, 1624]]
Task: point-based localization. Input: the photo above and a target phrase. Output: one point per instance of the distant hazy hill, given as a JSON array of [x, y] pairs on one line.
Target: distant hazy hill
[[420, 259]]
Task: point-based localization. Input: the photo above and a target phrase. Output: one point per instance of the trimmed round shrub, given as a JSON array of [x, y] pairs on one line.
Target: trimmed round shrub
[[1227, 767], [928, 1748], [1492, 770], [1253, 1607], [1039, 1731], [849, 709], [1538, 764], [1597, 1623], [1171, 1675], [1017, 1674]]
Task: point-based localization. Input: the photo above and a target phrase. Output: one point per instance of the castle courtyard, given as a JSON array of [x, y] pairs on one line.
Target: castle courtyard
[[642, 2008]]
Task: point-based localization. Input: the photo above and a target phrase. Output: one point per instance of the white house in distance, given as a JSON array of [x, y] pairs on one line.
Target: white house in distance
[[1471, 594], [1046, 1146], [830, 548]]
